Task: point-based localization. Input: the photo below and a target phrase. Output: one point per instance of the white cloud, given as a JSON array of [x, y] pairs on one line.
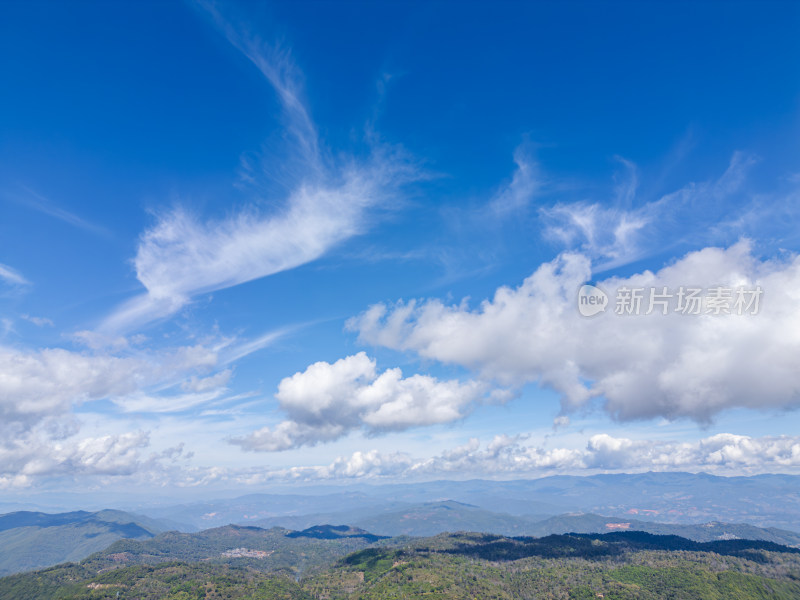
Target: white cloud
[[613, 234], [35, 385], [100, 341], [165, 403], [721, 453], [7, 326], [330, 200], [108, 454], [233, 353], [276, 65], [125, 455], [206, 384], [641, 367], [626, 186], [366, 465], [506, 456], [182, 256], [47, 453], [620, 232], [38, 321], [526, 181], [37, 202], [12, 276], [327, 401]]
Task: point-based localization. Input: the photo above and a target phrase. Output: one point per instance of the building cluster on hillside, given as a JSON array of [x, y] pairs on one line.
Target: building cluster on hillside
[[246, 553]]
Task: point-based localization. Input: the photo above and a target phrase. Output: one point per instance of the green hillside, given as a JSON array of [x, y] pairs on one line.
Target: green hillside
[[620, 566], [270, 550], [165, 581]]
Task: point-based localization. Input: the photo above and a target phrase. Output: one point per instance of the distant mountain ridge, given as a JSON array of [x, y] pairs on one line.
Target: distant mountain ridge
[[32, 540], [670, 497], [771, 500], [699, 506], [432, 518], [700, 532]]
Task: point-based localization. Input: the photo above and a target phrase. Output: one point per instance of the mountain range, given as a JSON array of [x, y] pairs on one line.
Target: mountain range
[[679, 498], [338, 563], [699, 507]]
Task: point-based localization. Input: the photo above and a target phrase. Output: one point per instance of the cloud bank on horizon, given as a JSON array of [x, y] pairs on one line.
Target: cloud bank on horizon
[[414, 316]]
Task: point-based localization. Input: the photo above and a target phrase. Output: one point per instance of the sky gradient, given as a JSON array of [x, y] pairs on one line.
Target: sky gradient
[[244, 245]]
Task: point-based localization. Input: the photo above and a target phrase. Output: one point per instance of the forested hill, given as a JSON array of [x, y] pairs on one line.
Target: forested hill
[[620, 565], [273, 550]]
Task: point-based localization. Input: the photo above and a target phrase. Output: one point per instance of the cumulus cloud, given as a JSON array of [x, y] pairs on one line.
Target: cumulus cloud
[[44, 453], [602, 452], [40, 390], [35, 385], [327, 401], [640, 366], [510, 456], [369, 464], [125, 455]]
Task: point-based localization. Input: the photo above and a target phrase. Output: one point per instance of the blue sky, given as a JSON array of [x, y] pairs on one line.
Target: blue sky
[[249, 244]]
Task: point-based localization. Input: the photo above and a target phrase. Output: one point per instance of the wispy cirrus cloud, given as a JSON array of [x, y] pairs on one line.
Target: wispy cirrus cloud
[[38, 321], [39, 203], [525, 182], [277, 65], [11, 276], [621, 231], [612, 234], [331, 199], [182, 256]]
